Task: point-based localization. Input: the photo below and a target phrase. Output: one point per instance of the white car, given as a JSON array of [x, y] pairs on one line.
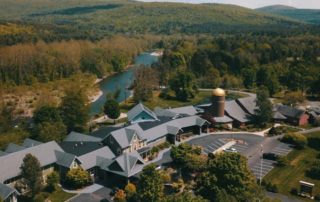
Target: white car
[[232, 150]]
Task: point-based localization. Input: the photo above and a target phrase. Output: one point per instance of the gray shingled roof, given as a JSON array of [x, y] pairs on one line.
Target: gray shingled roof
[[127, 165], [6, 191], [249, 104], [290, 111], [104, 131], [188, 110], [124, 136], [90, 160], [45, 153], [64, 159], [30, 143], [136, 110], [236, 112], [164, 112], [224, 119], [79, 137], [278, 115], [13, 148]]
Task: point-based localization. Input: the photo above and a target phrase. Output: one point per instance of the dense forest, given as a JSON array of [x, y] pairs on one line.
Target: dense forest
[[304, 15], [43, 62], [93, 20], [279, 63]]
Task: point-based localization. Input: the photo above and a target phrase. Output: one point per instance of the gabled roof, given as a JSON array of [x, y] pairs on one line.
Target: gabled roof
[[224, 119], [127, 165], [278, 115], [6, 191], [165, 112], [236, 112], [139, 108], [65, 159], [248, 104], [13, 148], [290, 111], [80, 148], [188, 110], [45, 153], [79, 137], [89, 160], [124, 136], [30, 143], [103, 132]]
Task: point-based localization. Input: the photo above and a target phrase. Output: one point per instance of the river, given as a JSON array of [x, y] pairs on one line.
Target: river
[[120, 81]]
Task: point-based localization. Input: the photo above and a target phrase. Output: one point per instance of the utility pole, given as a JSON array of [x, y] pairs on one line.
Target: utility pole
[[261, 163]]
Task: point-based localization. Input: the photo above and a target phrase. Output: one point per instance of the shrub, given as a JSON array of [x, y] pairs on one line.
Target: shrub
[[52, 181], [296, 139], [314, 171], [282, 161], [130, 191], [294, 191], [77, 178], [120, 196], [272, 187], [317, 197]]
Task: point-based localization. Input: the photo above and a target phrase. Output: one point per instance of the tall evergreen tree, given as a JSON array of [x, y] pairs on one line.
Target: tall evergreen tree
[[74, 110], [31, 173], [111, 109], [263, 113]]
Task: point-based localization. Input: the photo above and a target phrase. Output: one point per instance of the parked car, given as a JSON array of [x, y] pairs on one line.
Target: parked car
[[270, 156], [231, 150]]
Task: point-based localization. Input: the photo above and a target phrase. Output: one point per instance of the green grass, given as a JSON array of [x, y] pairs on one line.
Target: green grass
[[59, 195], [288, 177]]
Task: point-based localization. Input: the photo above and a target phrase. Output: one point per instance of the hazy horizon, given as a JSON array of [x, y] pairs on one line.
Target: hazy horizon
[[308, 4]]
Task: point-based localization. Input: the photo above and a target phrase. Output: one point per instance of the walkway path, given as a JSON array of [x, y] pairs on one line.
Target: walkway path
[[89, 189]]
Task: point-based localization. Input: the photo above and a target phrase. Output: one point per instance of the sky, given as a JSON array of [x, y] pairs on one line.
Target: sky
[[313, 4]]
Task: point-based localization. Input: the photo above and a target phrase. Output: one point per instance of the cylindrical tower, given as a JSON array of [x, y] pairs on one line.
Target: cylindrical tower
[[218, 102]]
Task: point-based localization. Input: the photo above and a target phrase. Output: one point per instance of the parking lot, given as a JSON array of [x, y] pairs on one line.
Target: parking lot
[[249, 146], [262, 168]]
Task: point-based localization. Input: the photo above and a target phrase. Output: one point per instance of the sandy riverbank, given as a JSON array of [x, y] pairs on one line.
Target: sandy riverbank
[[95, 97]]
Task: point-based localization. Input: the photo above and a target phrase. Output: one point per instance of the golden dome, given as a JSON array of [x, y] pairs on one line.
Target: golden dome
[[218, 92]]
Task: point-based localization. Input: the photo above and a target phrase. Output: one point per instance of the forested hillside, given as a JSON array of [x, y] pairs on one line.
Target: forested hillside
[[304, 15], [93, 20]]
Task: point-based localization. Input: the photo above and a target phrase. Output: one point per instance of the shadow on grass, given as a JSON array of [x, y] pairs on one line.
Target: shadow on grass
[[314, 143]]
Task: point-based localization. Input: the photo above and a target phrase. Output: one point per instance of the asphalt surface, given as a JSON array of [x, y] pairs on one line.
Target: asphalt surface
[[97, 196], [251, 146]]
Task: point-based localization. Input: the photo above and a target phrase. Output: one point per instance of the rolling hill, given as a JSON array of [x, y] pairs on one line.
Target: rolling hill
[[305, 15], [100, 17]]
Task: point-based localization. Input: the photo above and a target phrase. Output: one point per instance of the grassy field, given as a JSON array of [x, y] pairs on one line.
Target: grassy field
[[288, 177]]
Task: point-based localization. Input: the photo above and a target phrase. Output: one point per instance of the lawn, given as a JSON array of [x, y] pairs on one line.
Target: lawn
[[288, 177], [59, 195]]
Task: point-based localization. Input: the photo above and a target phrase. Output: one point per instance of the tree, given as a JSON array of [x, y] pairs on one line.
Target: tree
[[182, 83], [77, 178], [120, 196], [111, 109], [52, 181], [296, 139], [267, 77], [46, 114], [263, 113], [292, 98], [31, 173], [179, 153], [229, 172], [150, 187], [146, 80], [74, 110], [130, 190], [314, 171], [47, 131], [184, 197]]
